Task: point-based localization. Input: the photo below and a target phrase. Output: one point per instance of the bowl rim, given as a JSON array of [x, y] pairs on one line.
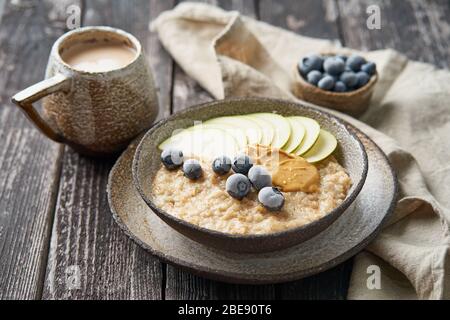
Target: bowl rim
[[223, 235]]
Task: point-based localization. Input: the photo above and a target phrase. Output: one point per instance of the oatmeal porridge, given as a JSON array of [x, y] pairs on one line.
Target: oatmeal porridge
[[206, 203]]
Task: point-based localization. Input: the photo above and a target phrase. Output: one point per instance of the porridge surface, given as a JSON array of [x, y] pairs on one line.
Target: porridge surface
[[206, 203]]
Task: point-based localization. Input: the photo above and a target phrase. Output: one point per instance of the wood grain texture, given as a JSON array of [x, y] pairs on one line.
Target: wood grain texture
[[84, 234], [161, 61], [418, 28], [328, 285], [245, 7], [2, 7], [29, 162], [309, 18]]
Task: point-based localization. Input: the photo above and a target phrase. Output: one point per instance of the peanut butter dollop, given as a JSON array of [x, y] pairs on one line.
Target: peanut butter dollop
[[289, 172]]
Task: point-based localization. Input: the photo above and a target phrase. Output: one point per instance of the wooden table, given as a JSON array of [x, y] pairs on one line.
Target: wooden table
[[53, 208]]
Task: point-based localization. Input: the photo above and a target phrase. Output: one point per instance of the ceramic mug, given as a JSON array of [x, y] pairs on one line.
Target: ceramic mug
[[96, 113]]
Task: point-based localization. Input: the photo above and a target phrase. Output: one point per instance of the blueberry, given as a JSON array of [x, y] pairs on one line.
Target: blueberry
[[314, 76], [349, 78], [192, 169], [259, 177], [309, 63], [333, 66], [221, 165], [355, 62], [335, 78], [363, 78], [238, 186], [342, 57], [172, 158], [326, 83], [242, 163], [369, 68], [271, 198], [339, 86]]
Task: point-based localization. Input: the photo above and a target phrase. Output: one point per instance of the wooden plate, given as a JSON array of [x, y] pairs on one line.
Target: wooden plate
[[349, 234]]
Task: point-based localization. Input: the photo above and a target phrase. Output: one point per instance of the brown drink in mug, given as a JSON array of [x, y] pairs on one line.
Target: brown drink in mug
[[98, 93]]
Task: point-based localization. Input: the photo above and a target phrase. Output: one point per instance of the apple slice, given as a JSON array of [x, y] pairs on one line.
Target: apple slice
[[297, 135], [312, 130], [237, 133], [268, 131], [281, 125], [324, 146], [249, 127], [203, 142]]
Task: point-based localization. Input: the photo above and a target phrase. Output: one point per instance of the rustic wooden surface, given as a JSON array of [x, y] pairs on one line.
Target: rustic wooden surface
[[53, 209]]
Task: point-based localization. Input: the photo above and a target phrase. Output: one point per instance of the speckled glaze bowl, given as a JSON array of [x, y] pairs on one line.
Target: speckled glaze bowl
[[350, 153], [96, 113]]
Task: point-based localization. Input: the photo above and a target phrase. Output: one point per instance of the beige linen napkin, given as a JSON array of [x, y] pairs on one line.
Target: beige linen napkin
[[233, 55]]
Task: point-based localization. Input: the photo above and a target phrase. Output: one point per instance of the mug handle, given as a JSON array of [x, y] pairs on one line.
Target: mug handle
[[25, 98]]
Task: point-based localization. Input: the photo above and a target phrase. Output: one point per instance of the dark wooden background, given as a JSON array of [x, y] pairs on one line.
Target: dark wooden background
[[53, 207]]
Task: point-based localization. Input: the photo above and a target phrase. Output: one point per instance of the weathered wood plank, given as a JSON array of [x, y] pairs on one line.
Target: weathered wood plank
[[420, 29], [84, 234], [2, 7], [161, 61], [29, 162], [309, 18], [328, 285], [186, 91], [180, 284], [248, 8], [85, 237], [185, 286]]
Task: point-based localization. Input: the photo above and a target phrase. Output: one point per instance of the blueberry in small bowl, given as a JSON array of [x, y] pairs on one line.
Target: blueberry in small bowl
[[334, 65], [337, 81], [310, 63]]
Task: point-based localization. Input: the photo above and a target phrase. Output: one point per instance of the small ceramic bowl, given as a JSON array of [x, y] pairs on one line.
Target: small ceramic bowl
[[350, 153], [354, 102]]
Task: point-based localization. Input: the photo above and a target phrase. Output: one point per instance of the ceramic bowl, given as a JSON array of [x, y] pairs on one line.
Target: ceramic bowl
[[353, 102], [350, 153]]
